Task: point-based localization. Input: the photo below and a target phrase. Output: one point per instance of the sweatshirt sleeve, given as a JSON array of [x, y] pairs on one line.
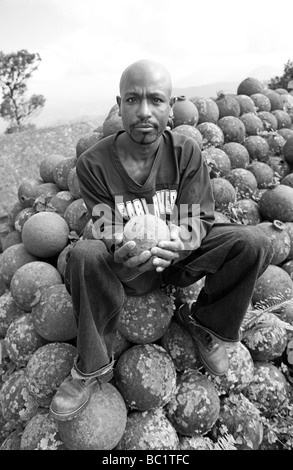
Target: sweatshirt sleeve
[[195, 202], [99, 203]]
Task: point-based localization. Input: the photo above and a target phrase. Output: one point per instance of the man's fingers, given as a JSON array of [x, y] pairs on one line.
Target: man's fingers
[[124, 252], [136, 261]]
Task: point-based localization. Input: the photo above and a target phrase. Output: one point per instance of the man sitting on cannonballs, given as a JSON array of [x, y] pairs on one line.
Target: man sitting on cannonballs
[[147, 168]]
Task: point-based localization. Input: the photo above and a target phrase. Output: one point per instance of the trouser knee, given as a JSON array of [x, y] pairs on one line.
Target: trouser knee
[[255, 244]]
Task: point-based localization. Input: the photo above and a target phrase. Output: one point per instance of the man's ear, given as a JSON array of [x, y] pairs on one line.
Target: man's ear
[[171, 104], [118, 100]]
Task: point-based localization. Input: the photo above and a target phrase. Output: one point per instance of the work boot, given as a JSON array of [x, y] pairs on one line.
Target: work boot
[[74, 393], [211, 350], [71, 397]]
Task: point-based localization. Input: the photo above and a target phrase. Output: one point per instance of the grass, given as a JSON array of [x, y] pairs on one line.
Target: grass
[[21, 155]]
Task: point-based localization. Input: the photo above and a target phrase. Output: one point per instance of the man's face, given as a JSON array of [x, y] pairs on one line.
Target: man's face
[[144, 105]]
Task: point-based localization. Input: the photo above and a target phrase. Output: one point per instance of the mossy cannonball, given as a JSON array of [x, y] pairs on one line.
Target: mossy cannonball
[[276, 142], [224, 193], [263, 173], [248, 211], [243, 181], [250, 85], [120, 344], [60, 202], [47, 368], [267, 340], [280, 166], [77, 216], [185, 294], [228, 106], [237, 153], [22, 340], [27, 191], [252, 123], [208, 110], [12, 441], [275, 99], [257, 147], [189, 131], [287, 180], [180, 346], [145, 318], [87, 141], [149, 430], [47, 165], [279, 238], [61, 171], [261, 102], [212, 134], [145, 375], [11, 238], [12, 212], [283, 118], [184, 112], [218, 162], [269, 121], [18, 405], [286, 133], [276, 203], [194, 407], [22, 217], [269, 390], [233, 129], [9, 311], [53, 316], [45, 234], [274, 281], [41, 433], [288, 151], [100, 424], [28, 281], [46, 191], [13, 258], [246, 104]]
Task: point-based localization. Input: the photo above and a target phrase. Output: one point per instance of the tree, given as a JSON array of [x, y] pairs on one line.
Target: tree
[[15, 71], [283, 81]]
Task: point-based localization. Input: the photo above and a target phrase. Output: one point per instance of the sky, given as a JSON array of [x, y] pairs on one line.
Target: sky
[[86, 44]]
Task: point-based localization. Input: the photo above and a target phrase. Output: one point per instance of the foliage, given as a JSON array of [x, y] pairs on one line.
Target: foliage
[[283, 81], [15, 71]]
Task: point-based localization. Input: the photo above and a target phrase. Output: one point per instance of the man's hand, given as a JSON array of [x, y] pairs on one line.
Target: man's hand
[[123, 254], [167, 251], [158, 258]]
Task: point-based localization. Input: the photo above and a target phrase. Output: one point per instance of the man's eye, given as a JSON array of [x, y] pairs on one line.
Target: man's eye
[[157, 100], [131, 100]]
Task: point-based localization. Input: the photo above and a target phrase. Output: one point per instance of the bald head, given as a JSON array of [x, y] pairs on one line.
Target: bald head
[[145, 102], [146, 70]]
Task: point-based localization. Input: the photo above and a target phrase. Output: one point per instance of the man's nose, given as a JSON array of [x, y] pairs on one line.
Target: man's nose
[[144, 110]]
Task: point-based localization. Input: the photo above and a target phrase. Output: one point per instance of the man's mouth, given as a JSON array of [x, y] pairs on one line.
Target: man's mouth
[[144, 126]]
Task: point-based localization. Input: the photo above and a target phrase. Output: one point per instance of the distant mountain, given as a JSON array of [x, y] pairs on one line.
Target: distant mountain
[[206, 91]]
